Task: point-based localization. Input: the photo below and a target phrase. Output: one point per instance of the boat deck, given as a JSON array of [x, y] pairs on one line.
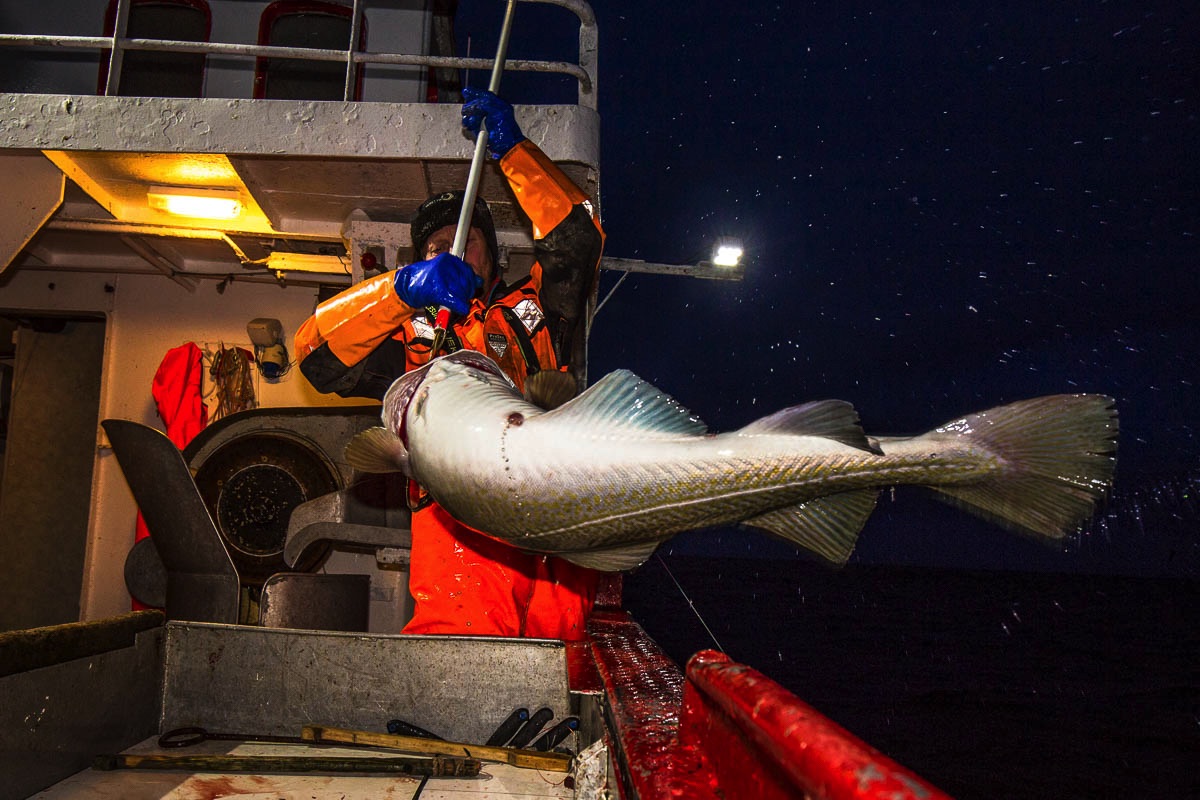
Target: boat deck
[[644, 729], [494, 780]]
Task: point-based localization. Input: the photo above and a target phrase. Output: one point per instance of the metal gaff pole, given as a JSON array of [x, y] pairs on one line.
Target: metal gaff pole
[[459, 248]]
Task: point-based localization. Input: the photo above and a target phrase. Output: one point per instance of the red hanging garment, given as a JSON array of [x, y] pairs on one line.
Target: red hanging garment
[[176, 392]]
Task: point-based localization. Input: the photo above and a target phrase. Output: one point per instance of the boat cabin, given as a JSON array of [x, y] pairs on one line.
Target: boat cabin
[[312, 157]]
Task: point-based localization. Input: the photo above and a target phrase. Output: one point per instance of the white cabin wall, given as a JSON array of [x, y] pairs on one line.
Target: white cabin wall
[[148, 315], [400, 27]]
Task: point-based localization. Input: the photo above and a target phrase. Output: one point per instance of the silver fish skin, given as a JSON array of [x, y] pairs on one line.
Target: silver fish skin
[[605, 478]]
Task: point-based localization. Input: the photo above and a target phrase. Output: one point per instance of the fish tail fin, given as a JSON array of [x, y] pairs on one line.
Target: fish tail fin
[[1056, 455], [377, 450]]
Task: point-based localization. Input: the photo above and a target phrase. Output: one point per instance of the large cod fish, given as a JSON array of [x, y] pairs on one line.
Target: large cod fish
[[608, 476]]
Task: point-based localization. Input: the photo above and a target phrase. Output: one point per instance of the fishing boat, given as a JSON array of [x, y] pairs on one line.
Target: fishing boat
[[260, 656]]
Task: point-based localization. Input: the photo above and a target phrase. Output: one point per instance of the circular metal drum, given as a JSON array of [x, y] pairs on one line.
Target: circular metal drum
[[251, 484]]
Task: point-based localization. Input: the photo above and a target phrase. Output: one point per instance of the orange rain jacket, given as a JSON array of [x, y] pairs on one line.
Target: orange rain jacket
[[358, 342]]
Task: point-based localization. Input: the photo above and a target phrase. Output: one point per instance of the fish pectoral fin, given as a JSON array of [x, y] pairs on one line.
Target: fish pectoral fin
[[828, 419], [614, 559], [827, 526], [377, 450], [621, 403]]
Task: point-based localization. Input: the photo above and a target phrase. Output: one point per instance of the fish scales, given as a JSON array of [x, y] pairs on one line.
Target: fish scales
[[730, 494]]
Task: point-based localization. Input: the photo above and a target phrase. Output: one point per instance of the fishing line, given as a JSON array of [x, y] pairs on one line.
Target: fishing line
[[690, 603], [611, 291]]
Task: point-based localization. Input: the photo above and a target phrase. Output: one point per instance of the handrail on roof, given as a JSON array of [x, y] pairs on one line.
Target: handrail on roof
[[584, 72]]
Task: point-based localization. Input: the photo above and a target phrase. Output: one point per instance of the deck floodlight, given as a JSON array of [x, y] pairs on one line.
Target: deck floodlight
[[725, 264], [727, 253], [195, 202]]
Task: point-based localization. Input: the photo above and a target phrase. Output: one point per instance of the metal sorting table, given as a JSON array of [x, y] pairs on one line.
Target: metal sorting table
[[265, 681]]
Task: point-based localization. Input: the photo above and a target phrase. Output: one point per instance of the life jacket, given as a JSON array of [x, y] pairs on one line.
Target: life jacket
[[511, 331]]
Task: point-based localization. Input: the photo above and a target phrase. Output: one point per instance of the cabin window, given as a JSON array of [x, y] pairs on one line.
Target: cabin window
[[306, 23], [146, 73]]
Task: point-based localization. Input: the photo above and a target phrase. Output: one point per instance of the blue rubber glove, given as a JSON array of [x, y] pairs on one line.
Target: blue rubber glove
[[503, 132], [444, 280]]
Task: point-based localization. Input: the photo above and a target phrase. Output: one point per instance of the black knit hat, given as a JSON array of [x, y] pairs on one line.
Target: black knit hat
[[444, 209]]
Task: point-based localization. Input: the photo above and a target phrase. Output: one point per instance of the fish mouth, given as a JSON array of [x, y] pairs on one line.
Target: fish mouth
[[472, 359], [401, 394], [443, 367]]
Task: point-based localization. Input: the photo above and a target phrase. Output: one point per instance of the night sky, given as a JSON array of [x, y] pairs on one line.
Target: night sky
[[946, 207]]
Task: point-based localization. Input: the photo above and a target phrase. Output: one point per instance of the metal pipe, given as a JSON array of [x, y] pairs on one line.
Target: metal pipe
[[116, 57], [258, 277], [577, 7], [156, 260], [589, 46], [468, 206], [459, 248], [586, 81], [145, 229], [703, 269], [355, 26], [579, 73]]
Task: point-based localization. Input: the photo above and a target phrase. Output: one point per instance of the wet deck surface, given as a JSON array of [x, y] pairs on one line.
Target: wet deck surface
[[499, 781]]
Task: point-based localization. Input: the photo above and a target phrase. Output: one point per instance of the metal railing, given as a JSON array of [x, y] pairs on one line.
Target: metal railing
[[583, 72]]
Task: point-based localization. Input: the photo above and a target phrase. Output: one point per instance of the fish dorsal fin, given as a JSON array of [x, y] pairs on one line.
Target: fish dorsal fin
[[621, 401], [827, 526], [828, 419], [614, 559]]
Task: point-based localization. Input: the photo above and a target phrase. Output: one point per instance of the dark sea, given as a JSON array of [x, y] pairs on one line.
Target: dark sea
[[988, 684]]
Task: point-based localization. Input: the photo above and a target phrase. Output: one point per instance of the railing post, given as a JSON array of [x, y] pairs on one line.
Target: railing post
[[588, 59], [355, 27], [589, 45], [116, 56]]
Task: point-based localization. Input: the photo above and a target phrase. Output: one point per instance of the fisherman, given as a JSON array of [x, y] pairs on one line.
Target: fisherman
[[358, 342]]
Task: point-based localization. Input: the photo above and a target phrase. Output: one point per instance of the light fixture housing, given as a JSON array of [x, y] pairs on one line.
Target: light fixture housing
[[282, 261], [727, 253], [198, 203]]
